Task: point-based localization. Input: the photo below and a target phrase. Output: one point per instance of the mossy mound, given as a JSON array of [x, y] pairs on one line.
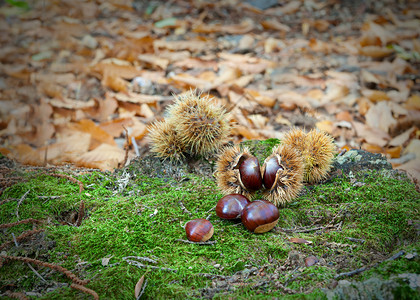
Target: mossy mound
[[348, 222]]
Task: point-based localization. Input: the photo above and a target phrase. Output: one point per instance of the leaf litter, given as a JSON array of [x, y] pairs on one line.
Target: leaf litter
[[72, 76]]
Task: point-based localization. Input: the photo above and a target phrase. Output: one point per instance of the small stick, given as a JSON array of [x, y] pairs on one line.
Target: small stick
[[85, 290], [136, 147], [19, 238], [30, 220], [142, 290], [361, 241], [14, 240], [20, 201], [183, 208], [74, 180], [81, 213], [197, 243], [36, 273], [127, 147], [140, 265], [351, 273], [146, 259]]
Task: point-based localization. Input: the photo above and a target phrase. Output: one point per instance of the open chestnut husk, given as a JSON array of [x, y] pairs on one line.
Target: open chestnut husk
[[260, 216], [282, 175], [199, 230], [230, 206], [228, 173]]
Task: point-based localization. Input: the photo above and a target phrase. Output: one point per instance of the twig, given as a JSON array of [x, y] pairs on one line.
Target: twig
[[74, 180], [58, 268], [146, 259], [85, 290], [81, 213], [36, 273], [285, 289], [211, 276], [183, 208], [361, 241], [30, 220], [14, 240], [20, 201], [136, 147], [127, 147], [140, 265], [16, 295], [20, 237], [360, 270], [197, 243]]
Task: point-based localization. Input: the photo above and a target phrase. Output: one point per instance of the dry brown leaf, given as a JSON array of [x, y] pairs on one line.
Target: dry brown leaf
[[290, 7], [375, 95], [244, 27], [68, 148], [394, 152], [311, 260], [375, 51], [196, 63], [116, 127], [188, 81], [402, 138], [138, 287], [138, 130], [103, 110], [70, 103], [413, 147], [255, 95], [299, 241], [246, 132], [344, 116], [326, 126], [413, 170], [380, 116], [258, 120], [192, 45], [99, 136], [154, 60], [137, 98], [372, 148], [115, 83], [105, 157], [413, 102], [371, 135], [122, 69], [321, 25], [274, 25], [25, 154]]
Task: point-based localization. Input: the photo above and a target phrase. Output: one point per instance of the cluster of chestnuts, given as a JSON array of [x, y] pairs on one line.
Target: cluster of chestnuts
[[258, 216], [194, 125], [300, 157]]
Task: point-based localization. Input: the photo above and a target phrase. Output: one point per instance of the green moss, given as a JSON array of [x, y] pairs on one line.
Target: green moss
[[142, 216]]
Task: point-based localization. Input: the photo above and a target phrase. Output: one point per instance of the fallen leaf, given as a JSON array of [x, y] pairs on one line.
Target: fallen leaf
[[138, 287], [413, 102], [299, 241], [372, 148], [413, 147], [311, 260], [394, 152], [371, 135], [326, 126], [402, 138], [375, 51], [380, 116], [99, 136], [104, 157], [413, 170], [375, 95], [274, 25]]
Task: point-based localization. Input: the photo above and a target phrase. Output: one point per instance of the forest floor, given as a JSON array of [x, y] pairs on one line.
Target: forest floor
[[81, 81]]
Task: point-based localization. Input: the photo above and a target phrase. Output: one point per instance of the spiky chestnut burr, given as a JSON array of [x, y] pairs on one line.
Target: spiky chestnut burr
[[202, 125], [320, 155], [164, 141], [317, 149], [227, 173], [282, 175]]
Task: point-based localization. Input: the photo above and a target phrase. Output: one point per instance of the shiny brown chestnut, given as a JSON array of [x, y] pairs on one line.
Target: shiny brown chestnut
[[250, 174], [270, 168], [260, 216], [199, 230], [231, 206]]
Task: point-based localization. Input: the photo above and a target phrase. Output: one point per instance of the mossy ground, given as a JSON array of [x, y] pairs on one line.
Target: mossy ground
[[129, 214]]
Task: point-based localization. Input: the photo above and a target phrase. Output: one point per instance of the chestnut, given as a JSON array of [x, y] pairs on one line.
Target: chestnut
[[260, 216], [270, 170], [231, 206], [199, 230], [250, 174]]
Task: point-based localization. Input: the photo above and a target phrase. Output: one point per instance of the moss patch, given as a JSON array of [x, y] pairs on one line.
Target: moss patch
[[350, 222]]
